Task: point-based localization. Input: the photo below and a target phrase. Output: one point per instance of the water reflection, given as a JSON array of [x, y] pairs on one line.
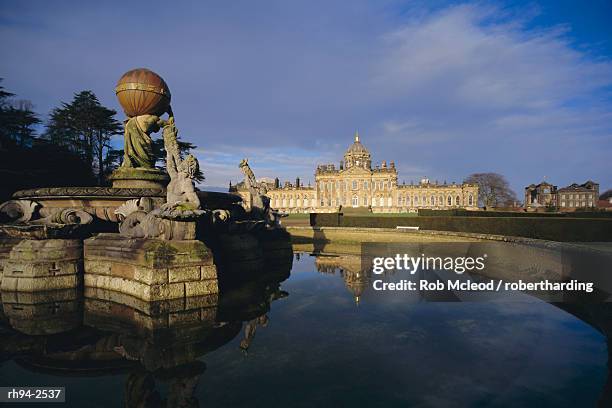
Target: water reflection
[[319, 337], [155, 345]]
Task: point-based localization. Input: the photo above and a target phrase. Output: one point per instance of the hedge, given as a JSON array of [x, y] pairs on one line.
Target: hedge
[[554, 229], [459, 212]]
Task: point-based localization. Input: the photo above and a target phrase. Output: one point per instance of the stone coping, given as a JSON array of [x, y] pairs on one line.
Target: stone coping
[[88, 192], [540, 243]]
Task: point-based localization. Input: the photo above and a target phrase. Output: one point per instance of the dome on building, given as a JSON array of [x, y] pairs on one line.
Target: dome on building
[[357, 155], [357, 147]]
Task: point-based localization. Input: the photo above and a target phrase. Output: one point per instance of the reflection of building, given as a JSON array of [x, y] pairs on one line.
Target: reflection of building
[[567, 198], [356, 184], [351, 267]]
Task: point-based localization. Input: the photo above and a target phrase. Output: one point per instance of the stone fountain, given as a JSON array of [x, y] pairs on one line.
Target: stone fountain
[[152, 235]]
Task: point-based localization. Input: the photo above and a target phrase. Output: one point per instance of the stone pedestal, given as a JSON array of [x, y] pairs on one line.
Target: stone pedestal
[[139, 177], [43, 265], [149, 269]]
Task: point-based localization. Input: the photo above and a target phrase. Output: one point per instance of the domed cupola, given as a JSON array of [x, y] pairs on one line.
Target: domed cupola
[[357, 155]]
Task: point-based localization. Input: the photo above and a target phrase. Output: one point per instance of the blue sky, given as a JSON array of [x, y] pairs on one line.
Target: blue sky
[[444, 89]]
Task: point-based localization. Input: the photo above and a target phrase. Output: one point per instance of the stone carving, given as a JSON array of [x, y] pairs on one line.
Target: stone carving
[[176, 218], [88, 192], [18, 211], [260, 203], [127, 208], [66, 216], [138, 151], [30, 212], [180, 190]]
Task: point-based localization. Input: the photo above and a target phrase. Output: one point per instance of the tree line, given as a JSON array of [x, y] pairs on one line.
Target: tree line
[[74, 147]]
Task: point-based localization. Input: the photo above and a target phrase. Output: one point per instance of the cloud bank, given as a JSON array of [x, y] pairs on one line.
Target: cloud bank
[[443, 92]]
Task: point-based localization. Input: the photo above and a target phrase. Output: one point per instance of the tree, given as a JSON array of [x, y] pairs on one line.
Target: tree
[[493, 190], [86, 127], [17, 120]]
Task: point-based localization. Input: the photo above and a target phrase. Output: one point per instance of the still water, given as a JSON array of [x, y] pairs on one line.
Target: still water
[[320, 337]]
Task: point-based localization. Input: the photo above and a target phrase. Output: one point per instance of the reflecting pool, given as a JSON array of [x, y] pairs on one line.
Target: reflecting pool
[[319, 337]]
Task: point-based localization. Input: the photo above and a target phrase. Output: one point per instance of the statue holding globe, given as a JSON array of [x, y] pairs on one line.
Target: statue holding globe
[[144, 97]]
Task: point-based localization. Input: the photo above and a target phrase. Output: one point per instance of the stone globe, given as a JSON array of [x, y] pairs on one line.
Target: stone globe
[[141, 92]]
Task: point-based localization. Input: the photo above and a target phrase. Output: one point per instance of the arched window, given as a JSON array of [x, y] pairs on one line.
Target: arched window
[[322, 203], [433, 200], [399, 200], [470, 200], [291, 201], [440, 200], [457, 200], [355, 201], [449, 200]]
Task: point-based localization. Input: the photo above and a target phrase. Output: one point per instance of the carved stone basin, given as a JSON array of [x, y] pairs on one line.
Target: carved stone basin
[[101, 202]]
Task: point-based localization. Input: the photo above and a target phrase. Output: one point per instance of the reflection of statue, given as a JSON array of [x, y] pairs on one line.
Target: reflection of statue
[[182, 172], [138, 151], [249, 331]]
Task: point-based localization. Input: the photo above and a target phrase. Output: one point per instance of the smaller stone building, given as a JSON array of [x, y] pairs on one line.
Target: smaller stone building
[[577, 196], [540, 195], [570, 198]]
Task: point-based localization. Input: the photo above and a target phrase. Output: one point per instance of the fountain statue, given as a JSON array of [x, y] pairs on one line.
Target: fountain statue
[[259, 203], [152, 234]]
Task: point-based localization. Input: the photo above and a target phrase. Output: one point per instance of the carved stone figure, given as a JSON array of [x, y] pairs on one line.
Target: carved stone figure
[[181, 188], [260, 203], [138, 151], [176, 218]]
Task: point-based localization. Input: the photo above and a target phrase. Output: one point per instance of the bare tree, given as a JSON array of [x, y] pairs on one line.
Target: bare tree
[[493, 190]]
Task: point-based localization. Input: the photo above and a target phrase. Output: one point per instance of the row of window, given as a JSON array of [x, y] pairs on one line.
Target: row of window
[[574, 204], [355, 185], [402, 201], [576, 196]]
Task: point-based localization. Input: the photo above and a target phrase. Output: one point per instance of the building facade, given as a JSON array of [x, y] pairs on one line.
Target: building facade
[[570, 198], [357, 184]]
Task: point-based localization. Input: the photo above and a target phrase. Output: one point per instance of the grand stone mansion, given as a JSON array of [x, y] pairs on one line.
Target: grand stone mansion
[[356, 184]]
